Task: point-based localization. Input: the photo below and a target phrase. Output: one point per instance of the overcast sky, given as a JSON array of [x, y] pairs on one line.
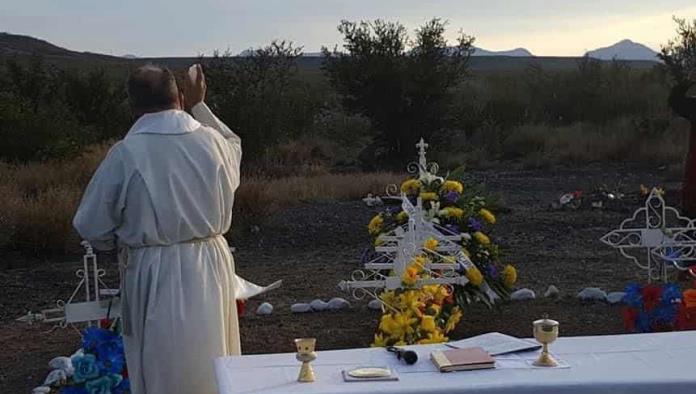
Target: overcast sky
[[190, 28]]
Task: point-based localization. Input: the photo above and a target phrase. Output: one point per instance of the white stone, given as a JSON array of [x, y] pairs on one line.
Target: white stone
[[318, 305], [264, 309], [552, 292], [300, 308], [338, 303], [41, 390], [592, 294], [523, 294], [375, 305], [615, 297], [55, 377], [63, 363]]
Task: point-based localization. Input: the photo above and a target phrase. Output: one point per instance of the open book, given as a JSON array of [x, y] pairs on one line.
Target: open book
[[496, 344]]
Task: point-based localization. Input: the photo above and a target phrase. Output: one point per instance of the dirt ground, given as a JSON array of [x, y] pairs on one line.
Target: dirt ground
[[315, 245]]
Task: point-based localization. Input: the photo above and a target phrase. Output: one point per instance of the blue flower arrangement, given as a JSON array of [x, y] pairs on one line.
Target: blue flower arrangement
[[651, 308], [101, 366]]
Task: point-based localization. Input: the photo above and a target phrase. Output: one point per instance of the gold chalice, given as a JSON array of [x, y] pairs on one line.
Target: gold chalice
[[545, 332], [305, 354]]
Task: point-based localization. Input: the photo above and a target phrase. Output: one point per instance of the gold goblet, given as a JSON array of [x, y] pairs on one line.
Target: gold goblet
[[305, 354], [545, 332]]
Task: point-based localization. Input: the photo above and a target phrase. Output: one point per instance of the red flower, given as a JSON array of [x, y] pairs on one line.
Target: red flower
[[241, 304], [104, 323], [629, 317], [577, 194], [651, 296]]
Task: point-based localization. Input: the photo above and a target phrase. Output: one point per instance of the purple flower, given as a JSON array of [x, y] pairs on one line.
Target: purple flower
[[453, 228], [475, 225], [452, 197]]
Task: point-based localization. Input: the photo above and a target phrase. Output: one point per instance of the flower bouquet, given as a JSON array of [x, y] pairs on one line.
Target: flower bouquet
[[99, 367], [426, 314], [653, 308]]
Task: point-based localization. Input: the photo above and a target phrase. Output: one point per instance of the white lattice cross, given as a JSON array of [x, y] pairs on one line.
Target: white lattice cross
[[656, 238]]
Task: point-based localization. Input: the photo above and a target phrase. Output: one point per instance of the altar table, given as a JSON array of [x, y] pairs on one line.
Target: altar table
[[661, 363]]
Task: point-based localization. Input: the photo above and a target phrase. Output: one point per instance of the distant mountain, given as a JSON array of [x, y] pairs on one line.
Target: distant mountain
[[19, 45], [624, 50], [129, 56], [517, 52]]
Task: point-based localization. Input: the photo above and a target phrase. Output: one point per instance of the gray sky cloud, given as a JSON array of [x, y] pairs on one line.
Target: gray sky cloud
[[188, 28]]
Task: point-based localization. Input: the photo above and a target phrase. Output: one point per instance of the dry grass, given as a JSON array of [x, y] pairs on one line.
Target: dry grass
[[40, 199]]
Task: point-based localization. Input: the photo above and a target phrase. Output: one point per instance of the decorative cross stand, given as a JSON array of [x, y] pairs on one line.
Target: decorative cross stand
[[656, 238], [94, 307], [399, 247], [101, 302]]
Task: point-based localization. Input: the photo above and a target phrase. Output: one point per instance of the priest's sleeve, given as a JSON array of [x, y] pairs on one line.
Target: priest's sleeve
[[203, 114], [100, 211]]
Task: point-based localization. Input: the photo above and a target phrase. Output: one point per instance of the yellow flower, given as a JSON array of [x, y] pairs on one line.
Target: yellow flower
[[434, 309], [430, 244], [410, 276], [411, 301], [482, 238], [388, 298], [379, 341], [474, 276], [454, 319], [487, 215], [452, 212], [375, 225], [436, 293], [387, 324], [453, 186], [428, 196], [379, 240], [411, 186], [404, 324], [427, 323], [402, 217], [466, 252], [509, 276], [419, 263], [434, 337], [449, 259]]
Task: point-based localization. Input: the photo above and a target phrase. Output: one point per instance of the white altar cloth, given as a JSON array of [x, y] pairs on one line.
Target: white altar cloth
[[632, 364]]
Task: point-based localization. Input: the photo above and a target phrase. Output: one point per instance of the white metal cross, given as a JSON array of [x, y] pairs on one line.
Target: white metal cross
[[656, 238]]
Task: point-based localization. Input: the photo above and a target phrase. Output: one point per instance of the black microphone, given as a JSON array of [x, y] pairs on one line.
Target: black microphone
[[409, 356]]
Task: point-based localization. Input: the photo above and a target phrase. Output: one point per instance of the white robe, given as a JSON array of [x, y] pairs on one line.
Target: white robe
[[163, 196]]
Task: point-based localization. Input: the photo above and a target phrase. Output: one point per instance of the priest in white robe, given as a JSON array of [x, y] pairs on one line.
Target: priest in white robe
[[163, 197]]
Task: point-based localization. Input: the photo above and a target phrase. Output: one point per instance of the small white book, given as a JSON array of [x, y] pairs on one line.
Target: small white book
[[496, 344]]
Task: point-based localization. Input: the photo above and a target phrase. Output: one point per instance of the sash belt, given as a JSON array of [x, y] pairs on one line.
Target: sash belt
[[123, 260]]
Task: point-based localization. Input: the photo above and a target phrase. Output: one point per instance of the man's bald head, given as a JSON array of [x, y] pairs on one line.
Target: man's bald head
[[151, 89]]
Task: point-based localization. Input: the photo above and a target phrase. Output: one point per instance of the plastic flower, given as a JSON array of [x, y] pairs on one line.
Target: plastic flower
[[103, 385], [434, 309], [651, 296], [379, 341], [482, 238], [85, 368], [452, 197], [411, 186], [402, 217], [123, 387], [92, 337], [453, 186], [388, 298], [379, 240], [430, 244], [690, 298], [474, 276], [428, 196], [410, 276], [475, 225], [375, 225], [387, 324], [434, 337], [487, 215], [451, 212], [509, 276], [411, 301], [427, 323], [453, 319], [73, 390], [403, 323]]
